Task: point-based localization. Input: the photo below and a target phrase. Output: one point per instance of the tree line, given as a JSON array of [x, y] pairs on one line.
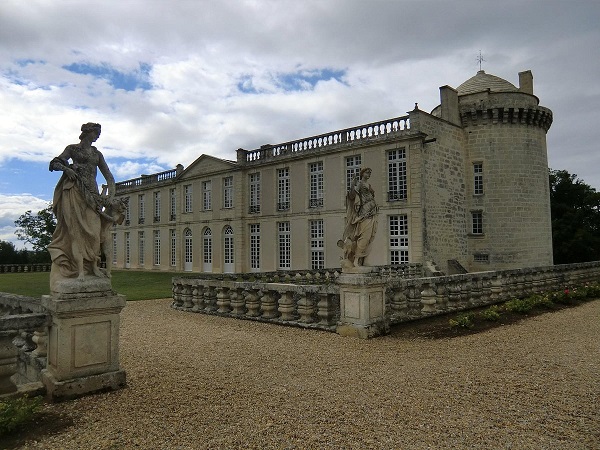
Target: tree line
[[575, 208]]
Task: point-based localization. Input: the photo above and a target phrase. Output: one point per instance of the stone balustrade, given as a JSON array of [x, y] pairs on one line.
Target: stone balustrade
[[407, 298], [309, 306], [23, 342], [20, 268], [146, 180], [375, 130]]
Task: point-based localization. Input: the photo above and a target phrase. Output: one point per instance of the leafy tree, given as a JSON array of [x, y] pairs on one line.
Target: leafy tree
[[575, 219], [8, 253], [37, 228]]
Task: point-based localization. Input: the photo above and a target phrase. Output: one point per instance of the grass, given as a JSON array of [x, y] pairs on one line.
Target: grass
[[134, 285]]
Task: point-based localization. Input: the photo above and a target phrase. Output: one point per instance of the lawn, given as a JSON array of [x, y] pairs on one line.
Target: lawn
[[134, 285]]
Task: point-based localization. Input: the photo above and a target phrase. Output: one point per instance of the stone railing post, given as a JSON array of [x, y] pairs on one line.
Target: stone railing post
[[362, 304], [83, 344]]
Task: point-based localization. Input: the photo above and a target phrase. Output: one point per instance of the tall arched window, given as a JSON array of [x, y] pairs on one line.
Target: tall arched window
[[228, 261], [188, 250], [207, 250]]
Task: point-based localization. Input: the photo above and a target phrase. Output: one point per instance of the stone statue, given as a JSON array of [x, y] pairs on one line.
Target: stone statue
[[361, 221], [83, 215]]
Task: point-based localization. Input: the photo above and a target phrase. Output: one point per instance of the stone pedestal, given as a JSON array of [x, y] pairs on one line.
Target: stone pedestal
[[362, 304], [83, 341]]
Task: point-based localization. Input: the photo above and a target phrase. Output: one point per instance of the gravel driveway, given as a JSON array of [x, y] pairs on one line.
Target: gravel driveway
[[204, 382]]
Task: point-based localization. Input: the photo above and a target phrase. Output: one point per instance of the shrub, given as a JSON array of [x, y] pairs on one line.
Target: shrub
[[15, 412], [491, 314], [463, 321], [520, 306], [544, 301]]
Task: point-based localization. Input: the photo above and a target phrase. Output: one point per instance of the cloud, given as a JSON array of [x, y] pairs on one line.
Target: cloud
[[11, 208]]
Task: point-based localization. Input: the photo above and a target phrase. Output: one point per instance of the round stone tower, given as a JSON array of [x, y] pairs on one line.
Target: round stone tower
[[506, 187]]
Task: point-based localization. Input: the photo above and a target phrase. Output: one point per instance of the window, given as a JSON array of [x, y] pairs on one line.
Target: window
[[141, 208], [187, 190], [478, 178], [254, 193], [157, 206], [285, 245], [207, 249], [188, 250], [398, 226], [127, 249], [173, 248], [157, 247], [228, 192], [127, 212], [481, 257], [283, 189], [114, 248], [397, 175], [141, 248], [317, 244], [255, 246], [477, 220], [173, 204], [352, 169], [316, 184], [228, 249], [206, 195]]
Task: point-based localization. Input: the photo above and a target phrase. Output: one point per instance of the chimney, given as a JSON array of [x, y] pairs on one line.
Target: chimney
[[449, 104], [526, 82]]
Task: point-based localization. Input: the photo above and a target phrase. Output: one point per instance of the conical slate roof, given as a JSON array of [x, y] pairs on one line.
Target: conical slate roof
[[484, 81]]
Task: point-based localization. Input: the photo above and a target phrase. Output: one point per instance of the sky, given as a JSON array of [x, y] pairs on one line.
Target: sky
[[170, 80]]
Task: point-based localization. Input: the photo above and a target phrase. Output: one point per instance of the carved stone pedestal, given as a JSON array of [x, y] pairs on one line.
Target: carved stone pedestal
[[362, 304], [83, 341]]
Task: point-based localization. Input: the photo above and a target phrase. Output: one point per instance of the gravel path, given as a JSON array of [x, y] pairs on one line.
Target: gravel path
[[200, 382]]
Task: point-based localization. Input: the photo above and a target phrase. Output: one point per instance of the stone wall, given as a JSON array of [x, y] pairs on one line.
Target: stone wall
[[317, 304]]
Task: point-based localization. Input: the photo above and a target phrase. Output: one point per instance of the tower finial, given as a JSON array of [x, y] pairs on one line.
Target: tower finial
[[480, 59]]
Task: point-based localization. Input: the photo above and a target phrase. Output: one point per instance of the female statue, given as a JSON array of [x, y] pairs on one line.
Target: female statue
[[361, 219], [79, 208]]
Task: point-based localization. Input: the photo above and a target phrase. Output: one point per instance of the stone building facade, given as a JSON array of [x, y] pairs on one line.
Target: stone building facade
[[463, 188]]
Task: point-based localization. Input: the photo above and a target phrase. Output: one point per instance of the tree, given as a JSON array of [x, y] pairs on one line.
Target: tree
[[575, 219], [36, 229], [8, 253]]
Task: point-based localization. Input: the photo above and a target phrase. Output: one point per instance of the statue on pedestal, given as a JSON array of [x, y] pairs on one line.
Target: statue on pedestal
[[83, 215], [361, 221]]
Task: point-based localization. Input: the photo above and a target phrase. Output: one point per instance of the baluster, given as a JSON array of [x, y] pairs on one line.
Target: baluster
[[223, 300], [428, 298], [496, 288], [8, 362], [326, 309], [210, 299], [287, 306], [177, 295], [40, 338], [268, 305], [399, 303], [198, 298], [305, 308], [441, 300], [186, 297], [237, 302], [453, 294], [252, 303], [414, 301]]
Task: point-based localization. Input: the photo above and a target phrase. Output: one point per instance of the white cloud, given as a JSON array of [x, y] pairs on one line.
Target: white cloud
[[11, 208]]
